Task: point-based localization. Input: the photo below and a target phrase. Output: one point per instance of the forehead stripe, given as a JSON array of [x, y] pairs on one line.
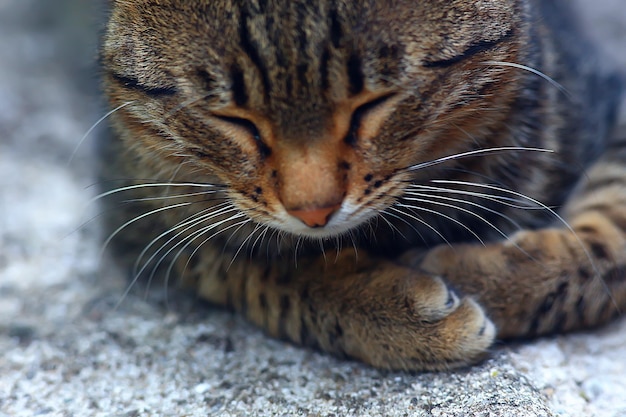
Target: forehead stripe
[[249, 47]]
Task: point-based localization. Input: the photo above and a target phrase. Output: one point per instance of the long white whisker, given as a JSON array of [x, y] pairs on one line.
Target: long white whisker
[[471, 203], [269, 239], [533, 71], [91, 129], [356, 250], [481, 152], [136, 276], [455, 207], [181, 233], [259, 238], [393, 227], [480, 218], [419, 200], [246, 240], [422, 221], [173, 196], [534, 201], [190, 241], [339, 246], [506, 201], [188, 224], [295, 252], [135, 219], [279, 240], [502, 190], [321, 243], [164, 184]]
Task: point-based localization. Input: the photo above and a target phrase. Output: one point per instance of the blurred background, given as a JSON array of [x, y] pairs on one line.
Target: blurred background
[[48, 51]]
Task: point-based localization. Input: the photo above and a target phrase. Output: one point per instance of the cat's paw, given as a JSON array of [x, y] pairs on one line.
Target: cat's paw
[[456, 329], [426, 326]]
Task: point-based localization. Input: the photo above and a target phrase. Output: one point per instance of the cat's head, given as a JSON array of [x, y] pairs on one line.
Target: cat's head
[[311, 113]]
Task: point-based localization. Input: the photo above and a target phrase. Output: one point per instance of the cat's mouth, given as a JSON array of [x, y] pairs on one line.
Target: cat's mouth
[[324, 222]]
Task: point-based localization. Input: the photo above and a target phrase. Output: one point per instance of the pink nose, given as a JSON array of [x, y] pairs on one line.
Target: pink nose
[[317, 217]]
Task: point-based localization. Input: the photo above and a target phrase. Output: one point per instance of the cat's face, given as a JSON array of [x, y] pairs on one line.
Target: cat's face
[[311, 113]]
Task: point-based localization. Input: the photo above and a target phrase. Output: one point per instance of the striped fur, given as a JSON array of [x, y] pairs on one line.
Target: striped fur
[[393, 181]]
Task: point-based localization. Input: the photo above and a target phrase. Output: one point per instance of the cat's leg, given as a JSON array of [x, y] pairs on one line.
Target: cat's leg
[[554, 279], [373, 310]]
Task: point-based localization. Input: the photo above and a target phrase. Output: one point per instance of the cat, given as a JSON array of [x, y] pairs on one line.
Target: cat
[[396, 182]]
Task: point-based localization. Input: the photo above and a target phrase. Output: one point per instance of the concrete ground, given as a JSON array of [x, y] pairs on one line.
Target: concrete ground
[[66, 350]]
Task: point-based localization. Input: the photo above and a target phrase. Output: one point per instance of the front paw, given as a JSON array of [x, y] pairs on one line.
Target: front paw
[[417, 322]]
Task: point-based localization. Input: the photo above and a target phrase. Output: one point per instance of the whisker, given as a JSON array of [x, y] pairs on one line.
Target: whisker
[[279, 240], [190, 241], [189, 238], [137, 218], [149, 185], [478, 152], [188, 224], [519, 227], [172, 178], [246, 240], [445, 215], [466, 133], [261, 237], [393, 228], [181, 233], [138, 271], [533, 71], [173, 196], [422, 221], [184, 105], [502, 190], [338, 246], [356, 250], [505, 201], [94, 126], [295, 252], [534, 201], [323, 250], [471, 203], [267, 248], [191, 222], [476, 174]]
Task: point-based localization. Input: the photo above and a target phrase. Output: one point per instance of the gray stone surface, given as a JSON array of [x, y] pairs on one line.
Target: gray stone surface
[[68, 349]]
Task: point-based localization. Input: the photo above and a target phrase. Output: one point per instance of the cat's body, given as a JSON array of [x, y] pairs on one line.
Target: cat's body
[[321, 151]]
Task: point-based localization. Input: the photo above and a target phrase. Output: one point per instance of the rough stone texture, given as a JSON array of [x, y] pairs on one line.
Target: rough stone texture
[[68, 349]]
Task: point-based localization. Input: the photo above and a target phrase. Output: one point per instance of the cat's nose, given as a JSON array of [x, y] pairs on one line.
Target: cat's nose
[[317, 217]]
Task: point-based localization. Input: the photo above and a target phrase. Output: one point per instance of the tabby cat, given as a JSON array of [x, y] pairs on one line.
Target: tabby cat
[[395, 181]]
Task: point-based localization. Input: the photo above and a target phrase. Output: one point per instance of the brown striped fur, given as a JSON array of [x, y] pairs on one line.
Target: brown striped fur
[[304, 133]]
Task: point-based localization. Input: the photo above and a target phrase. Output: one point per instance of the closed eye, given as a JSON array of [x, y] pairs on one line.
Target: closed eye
[[250, 129], [472, 50], [152, 91], [357, 117]]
